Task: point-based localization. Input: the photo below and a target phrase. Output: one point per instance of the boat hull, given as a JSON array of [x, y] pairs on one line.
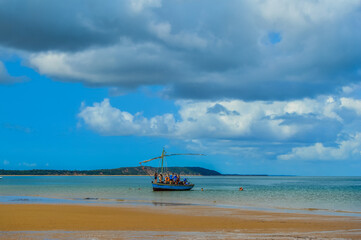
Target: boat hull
[[171, 187]]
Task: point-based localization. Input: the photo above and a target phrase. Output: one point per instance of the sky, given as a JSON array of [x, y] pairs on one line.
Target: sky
[[259, 86]]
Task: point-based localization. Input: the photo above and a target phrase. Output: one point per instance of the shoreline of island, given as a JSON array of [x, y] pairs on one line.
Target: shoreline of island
[[98, 175], [122, 171]]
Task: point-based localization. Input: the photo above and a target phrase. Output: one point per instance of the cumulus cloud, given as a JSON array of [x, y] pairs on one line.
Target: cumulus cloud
[[345, 150], [251, 50], [301, 121], [308, 129], [353, 104], [107, 120], [126, 65]]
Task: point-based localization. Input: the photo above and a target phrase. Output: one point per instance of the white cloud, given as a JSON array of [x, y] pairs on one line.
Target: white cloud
[[238, 120], [301, 120], [353, 104], [6, 162], [238, 126], [107, 120], [346, 150], [54, 63]]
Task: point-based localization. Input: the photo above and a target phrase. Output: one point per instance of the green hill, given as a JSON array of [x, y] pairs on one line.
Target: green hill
[[116, 171]]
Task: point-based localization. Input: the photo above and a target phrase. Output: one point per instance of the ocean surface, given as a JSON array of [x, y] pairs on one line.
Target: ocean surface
[[325, 195]]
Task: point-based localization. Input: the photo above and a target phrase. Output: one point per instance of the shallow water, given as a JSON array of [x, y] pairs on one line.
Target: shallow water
[[155, 235], [335, 195]]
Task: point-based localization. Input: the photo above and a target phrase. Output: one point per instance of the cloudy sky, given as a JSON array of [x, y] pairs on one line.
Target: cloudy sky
[[262, 86]]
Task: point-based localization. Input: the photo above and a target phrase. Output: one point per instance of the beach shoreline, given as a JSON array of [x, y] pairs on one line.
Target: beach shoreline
[[83, 217], [127, 208]]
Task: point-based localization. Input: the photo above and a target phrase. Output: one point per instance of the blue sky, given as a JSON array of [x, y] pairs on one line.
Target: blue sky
[[259, 86]]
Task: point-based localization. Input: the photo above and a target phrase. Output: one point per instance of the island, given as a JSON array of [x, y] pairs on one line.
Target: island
[[146, 170]]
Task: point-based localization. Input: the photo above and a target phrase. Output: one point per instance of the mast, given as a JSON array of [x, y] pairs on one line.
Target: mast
[[163, 153]]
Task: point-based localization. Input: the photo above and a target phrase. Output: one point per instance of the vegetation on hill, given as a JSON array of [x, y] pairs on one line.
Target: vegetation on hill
[[117, 171]]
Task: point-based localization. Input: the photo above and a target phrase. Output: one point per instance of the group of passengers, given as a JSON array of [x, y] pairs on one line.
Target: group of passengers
[[169, 178]]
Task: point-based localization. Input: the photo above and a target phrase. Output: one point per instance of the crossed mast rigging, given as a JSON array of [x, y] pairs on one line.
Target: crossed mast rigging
[[162, 157]]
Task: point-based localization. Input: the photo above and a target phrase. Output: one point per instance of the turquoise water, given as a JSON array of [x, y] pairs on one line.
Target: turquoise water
[[327, 194]]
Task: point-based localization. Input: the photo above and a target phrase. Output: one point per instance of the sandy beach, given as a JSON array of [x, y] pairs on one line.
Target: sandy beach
[[40, 218]]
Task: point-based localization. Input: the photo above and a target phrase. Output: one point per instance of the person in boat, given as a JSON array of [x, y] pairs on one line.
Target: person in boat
[[174, 178], [179, 181], [185, 182], [160, 178], [170, 177], [155, 177]]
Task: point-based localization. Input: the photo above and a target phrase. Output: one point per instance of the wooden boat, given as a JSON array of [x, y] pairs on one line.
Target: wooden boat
[[169, 186]]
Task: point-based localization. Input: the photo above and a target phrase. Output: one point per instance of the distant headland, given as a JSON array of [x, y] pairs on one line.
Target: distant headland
[[126, 171]]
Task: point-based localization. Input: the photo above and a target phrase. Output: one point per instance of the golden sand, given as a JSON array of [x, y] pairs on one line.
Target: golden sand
[[45, 217]]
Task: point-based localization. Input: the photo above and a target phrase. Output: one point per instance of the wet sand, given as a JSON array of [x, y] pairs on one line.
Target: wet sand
[[41, 218]]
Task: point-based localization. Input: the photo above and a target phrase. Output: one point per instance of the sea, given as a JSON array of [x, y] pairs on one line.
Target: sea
[[318, 195]]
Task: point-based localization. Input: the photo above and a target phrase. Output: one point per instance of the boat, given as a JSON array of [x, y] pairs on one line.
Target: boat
[[171, 187], [158, 185]]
